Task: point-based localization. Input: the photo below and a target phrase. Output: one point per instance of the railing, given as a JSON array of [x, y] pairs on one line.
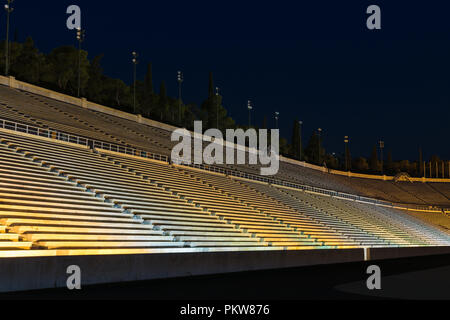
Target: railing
[[71, 138], [240, 174], [96, 144]]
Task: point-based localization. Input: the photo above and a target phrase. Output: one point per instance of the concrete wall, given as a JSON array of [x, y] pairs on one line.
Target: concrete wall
[[23, 274]]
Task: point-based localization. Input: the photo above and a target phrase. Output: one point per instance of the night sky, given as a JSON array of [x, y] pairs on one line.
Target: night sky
[[311, 60]]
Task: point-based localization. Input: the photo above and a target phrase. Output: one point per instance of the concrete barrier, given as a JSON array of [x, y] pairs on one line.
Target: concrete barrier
[[34, 273], [24, 274]]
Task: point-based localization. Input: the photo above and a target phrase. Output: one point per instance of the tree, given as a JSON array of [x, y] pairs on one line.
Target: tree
[[421, 167], [361, 164], [148, 94], [28, 62], [331, 161], [95, 85], [348, 158], [435, 164], [296, 152], [213, 113], [61, 69], [374, 164], [389, 162], [313, 148]]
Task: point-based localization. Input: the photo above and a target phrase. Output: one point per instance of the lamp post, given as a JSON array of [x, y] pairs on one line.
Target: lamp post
[[250, 108], [300, 124], [277, 117], [135, 62], [382, 156], [9, 10], [346, 141], [80, 37], [319, 133], [180, 79], [217, 105]]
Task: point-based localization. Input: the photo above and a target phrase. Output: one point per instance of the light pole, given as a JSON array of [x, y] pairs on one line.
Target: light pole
[[250, 108], [346, 141], [319, 132], [300, 124], [217, 105], [382, 156], [9, 10], [277, 117], [135, 62], [180, 79], [80, 37]]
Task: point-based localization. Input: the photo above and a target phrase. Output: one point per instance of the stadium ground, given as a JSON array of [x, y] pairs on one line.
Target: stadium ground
[[424, 278]]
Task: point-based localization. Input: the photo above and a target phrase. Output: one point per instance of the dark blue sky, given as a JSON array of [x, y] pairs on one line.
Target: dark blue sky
[[312, 60]]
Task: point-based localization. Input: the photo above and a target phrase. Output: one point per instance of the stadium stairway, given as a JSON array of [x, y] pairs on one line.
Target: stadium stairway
[[250, 221]]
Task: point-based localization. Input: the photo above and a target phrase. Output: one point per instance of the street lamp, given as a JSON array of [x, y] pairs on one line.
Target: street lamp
[[9, 10], [217, 105], [277, 117], [135, 62], [382, 156], [180, 79], [250, 108], [319, 131], [81, 34], [300, 124], [346, 141]]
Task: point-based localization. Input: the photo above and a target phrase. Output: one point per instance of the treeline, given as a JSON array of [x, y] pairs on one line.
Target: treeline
[[315, 153], [58, 70]]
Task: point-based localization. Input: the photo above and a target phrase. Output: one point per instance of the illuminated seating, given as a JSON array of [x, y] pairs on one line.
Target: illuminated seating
[[119, 199], [275, 209], [41, 205], [60, 196], [424, 192], [437, 219], [253, 221], [28, 108], [314, 211]]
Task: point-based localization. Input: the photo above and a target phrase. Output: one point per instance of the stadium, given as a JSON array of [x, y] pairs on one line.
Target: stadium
[[94, 203], [85, 183]]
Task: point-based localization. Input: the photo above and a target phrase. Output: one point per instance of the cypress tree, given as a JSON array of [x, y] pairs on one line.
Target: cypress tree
[[389, 162], [163, 99], [421, 168], [374, 160], [349, 158], [296, 140]]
